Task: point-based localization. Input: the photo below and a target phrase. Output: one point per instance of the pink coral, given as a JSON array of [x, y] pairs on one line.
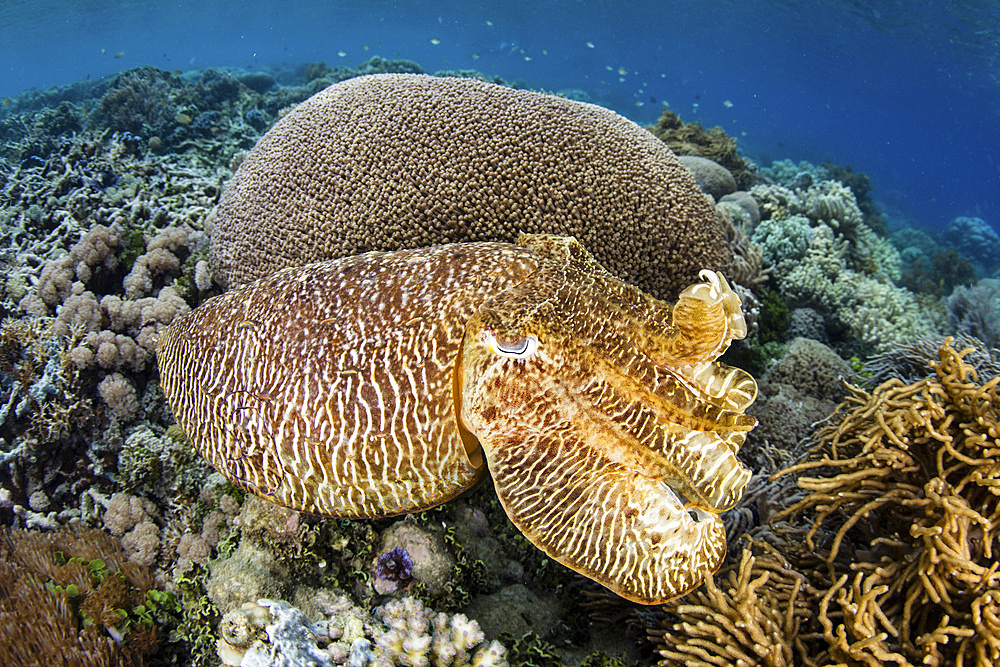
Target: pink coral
[[119, 395]]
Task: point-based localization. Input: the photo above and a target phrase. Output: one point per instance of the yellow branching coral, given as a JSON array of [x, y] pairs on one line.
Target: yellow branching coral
[[749, 615], [912, 489]]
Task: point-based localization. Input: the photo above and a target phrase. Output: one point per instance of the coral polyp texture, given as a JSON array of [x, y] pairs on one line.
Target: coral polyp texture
[[393, 161], [376, 385]]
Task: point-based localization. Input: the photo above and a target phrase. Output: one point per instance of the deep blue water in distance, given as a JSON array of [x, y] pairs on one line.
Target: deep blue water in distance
[[908, 92]]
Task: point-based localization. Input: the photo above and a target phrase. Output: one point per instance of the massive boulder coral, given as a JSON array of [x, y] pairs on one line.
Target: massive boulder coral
[[393, 161]]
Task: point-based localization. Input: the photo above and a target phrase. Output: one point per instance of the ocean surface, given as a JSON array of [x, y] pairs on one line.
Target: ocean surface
[[906, 92]]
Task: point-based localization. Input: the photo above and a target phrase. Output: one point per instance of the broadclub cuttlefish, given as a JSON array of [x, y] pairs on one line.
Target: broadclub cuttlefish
[[389, 382]]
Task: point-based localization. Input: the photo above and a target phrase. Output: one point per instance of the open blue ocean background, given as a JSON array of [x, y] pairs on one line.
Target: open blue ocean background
[[907, 92]]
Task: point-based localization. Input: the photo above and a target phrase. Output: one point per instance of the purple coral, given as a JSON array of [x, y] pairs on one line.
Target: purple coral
[[395, 565]]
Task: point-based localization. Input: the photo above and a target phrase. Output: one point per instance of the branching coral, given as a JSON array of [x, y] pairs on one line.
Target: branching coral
[[749, 615], [417, 636], [911, 484]]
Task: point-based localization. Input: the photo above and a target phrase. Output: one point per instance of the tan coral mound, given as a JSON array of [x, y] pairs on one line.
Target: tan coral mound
[[911, 489], [395, 161]]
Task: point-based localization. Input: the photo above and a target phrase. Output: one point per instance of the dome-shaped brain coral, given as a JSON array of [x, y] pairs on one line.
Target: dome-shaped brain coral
[[394, 161]]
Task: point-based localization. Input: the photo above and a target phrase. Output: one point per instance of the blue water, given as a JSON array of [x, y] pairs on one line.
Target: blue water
[[907, 92]]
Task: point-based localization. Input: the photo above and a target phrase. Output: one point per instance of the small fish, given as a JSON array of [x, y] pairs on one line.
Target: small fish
[[6, 101], [639, 103], [727, 104], [608, 67], [621, 79], [545, 52], [489, 23], [475, 56], [182, 118], [175, 72], [119, 54], [622, 71], [365, 47], [104, 50], [590, 45], [435, 41], [527, 57], [341, 53]]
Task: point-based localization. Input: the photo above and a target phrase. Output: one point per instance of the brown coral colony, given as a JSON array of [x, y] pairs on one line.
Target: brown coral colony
[[395, 161]]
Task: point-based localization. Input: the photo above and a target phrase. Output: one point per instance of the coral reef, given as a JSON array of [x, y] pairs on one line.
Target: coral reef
[[137, 101], [713, 144], [825, 258], [908, 476], [106, 189], [975, 239], [885, 553], [803, 175]]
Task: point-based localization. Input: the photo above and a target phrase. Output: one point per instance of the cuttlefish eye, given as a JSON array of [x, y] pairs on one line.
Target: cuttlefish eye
[[516, 347]]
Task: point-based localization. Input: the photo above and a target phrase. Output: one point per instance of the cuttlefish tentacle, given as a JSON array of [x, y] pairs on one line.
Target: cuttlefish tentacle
[[383, 383]]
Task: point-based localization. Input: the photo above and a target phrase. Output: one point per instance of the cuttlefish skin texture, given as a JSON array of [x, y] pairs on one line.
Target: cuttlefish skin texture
[[373, 385]]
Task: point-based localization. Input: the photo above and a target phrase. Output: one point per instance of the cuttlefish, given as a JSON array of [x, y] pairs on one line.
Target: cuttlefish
[[389, 382]]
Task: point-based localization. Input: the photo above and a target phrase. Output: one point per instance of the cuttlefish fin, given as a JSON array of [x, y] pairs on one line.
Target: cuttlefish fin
[[630, 533]]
